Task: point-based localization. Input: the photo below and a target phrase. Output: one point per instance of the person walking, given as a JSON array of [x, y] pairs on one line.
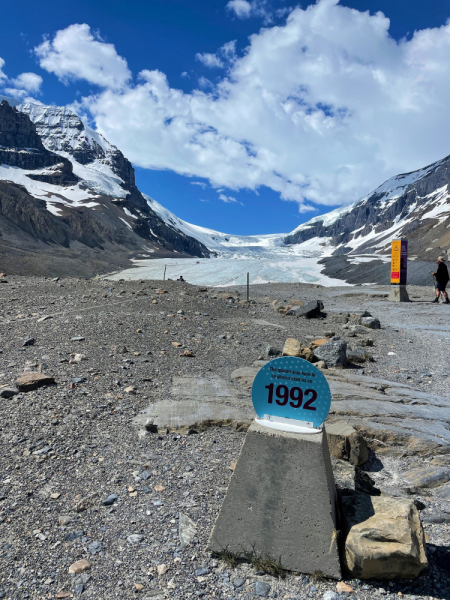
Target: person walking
[[441, 276]]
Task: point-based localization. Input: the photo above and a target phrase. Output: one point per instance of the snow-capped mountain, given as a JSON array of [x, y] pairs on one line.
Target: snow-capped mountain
[[414, 205], [75, 190]]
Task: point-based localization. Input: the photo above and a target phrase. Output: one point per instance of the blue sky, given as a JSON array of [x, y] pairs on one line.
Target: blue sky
[[338, 152]]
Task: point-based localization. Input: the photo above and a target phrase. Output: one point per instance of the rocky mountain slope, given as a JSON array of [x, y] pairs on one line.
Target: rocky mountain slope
[[65, 191], [413, 205]]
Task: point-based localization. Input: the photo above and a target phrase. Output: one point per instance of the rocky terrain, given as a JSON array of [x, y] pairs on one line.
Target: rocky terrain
[[85, 476]]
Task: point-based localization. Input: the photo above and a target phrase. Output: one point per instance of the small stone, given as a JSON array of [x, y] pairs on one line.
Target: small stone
[[63, 595], [79, 357], [159, 488], [176, 344], [87, 502], [77, 380], [77, 338], [331, 596], [64, 519], [28, 342], [45, 318], [343, 587], [135, 538], [130, 390], [138, 330], [187, 530], [370, 322], [201, 571], [139, 587], [95, 547], [321, 364], [271, 351], [262, 589], [78, 589], [55, 495], [188, 353], [238, 582], [161, 569], [31, 381], [110, 500], [79, 567]]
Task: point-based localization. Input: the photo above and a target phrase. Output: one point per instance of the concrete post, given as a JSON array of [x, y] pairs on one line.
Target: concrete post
[[281, 502], [398, 293]]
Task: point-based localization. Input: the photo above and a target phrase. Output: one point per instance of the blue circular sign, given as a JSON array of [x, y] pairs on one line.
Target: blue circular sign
[[292, 388]]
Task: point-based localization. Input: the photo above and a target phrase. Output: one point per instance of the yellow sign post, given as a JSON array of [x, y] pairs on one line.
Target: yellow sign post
[[399, 265]]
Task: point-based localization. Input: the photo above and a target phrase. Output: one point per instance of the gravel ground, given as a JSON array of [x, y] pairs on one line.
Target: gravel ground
[[72, 445]]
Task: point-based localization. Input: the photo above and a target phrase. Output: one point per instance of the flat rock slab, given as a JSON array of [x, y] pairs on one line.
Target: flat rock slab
[[281, 503], [31, 381], [196, 400], [385, 413]]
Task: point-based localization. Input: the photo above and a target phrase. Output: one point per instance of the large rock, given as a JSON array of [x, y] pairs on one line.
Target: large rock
[[346, 443], [292, 347], [32, 381], [371, 322], [333, 352], [357, 355], [383, 537], [308, 311]]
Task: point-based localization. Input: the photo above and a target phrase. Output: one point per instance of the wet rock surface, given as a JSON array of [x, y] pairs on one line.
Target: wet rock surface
[[69, 447]]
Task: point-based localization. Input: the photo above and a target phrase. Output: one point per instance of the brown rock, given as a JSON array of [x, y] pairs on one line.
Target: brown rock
[[159, 488], [346, 443], [31, 381], [188, 353], [307, 354], [316, 343], [79, 567], [343, 587], [383, 537]]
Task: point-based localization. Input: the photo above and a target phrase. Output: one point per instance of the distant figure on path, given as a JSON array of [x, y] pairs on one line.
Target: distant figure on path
[[442, 278], [181, 278]]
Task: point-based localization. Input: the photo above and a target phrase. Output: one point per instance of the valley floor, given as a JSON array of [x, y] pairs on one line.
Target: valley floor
[[65, 448]]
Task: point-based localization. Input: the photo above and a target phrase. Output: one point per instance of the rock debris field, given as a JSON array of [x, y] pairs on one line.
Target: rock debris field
[[124, 406]]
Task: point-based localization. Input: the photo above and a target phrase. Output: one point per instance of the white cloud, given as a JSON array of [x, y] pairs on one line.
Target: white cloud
[[74, 53], [30, 82], [229, 199], [320, 109], [2, 64], [200, 183], [209, 60], [244, 9], [241, 8]]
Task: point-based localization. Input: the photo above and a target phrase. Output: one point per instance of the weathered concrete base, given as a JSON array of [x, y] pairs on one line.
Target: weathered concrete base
[[398, 293], [281, 503]]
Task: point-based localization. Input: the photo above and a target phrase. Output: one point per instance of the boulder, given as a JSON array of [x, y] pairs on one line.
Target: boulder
[[382, 536], [333, 352], [370, 322], [308, 311], [346, 443], [358, 355], [31, 381], [292, 347]]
